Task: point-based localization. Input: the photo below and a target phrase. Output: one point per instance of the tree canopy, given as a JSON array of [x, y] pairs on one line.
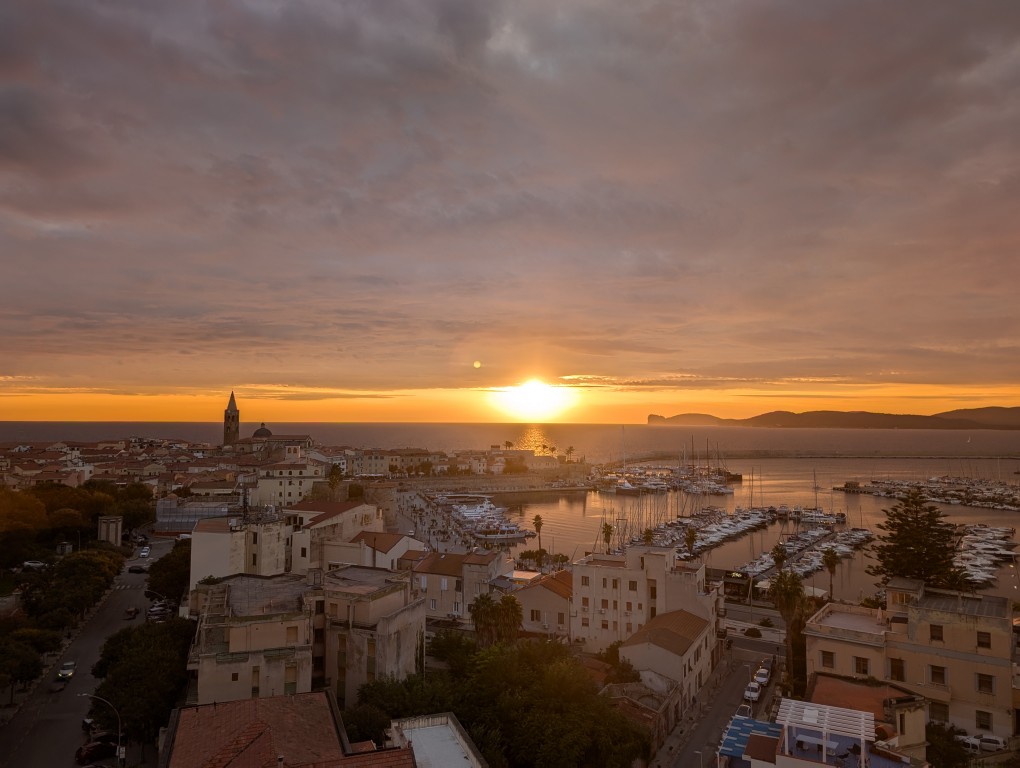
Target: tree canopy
[[169, 576], [917, 543]]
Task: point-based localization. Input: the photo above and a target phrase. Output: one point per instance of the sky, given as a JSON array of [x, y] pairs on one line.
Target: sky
[[402, 210]]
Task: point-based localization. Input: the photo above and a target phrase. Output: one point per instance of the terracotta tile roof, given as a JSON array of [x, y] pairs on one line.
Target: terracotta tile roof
[[441, 563], [675, 632], [213, 525], [251, 733], [381, 542], [837, 692], [560, 583], [326, 509]]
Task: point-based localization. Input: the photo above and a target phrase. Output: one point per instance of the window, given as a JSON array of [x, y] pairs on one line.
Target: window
[[605, 604], [982, 720], [937, 675], [935, 633], [629, 606], [860, 665], [304, 552], [536, 615], [938, 712], [233, 677], [897, 672], [985, 683], [630, 628], [584, 621], [605, 623], [291, 635], [255, 681], [290, 680], [254, 559], [458, 586], [584, 603], [456, 607], [651, 589], [585, 581], [560, 618], [616, 583], [616, 605], [632, 586], [984, 639], [432, 604], [605, 583], [424, 583], [442, 584]]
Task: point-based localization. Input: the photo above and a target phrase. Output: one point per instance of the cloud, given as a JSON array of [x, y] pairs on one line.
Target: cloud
[[696, 194]]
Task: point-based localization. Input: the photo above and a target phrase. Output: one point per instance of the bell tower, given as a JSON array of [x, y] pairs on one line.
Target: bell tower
[[231, 422]]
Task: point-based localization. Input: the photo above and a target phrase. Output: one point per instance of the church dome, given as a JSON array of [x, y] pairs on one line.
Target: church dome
[[262, 431]]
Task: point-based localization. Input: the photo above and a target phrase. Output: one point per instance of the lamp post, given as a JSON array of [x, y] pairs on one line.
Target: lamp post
[[93, 696]]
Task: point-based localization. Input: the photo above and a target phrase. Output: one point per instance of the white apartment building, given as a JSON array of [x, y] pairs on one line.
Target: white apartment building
[[952, 648], [450, 582], [224, 546], [285, 484], [319, 530], [616, 595]]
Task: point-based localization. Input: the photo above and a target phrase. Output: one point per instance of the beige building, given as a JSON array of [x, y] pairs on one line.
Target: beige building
[[224, 546], [285, 484], [954, 649], [546, 604], [616, 595], [450, 582], [677, 645], [375, 628], [254, 637], [286, 634], [320, 528]]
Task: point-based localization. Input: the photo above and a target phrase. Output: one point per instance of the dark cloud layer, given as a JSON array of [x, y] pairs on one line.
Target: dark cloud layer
[[707, 194]]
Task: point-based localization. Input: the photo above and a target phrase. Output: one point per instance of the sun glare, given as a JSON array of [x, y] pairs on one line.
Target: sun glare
[[534, 400]]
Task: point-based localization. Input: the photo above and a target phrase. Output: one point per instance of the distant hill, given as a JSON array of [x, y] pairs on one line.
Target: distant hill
[[973, 418]]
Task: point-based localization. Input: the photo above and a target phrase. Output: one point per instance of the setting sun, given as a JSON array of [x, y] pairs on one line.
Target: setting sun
[[534, 400]]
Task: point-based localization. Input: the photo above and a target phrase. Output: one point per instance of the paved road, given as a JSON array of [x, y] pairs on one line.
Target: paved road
[[46, 731], [694, 743]]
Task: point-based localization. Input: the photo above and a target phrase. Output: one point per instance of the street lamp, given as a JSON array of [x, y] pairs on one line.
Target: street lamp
[[120, 760]]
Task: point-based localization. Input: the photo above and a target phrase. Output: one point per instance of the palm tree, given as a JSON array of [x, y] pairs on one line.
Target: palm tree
[[607, 534], [830, 560], [648, 536], [779, 555], [508, 444], [569, 452], [544, 447], [788, 595], [483, 613], [537, 522], [509, 615], [552, 449], [690, 539]]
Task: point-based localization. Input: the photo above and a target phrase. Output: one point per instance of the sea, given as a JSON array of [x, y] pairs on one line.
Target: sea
[[796, 467]]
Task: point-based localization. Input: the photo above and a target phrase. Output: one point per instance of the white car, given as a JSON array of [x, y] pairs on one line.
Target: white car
[[752, 692], [762, 677], [144, 553]]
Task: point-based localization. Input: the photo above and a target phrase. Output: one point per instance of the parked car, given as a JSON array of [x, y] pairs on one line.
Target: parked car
[[752, 692], [138, 569], [983, 742], [762, 677], [130, 613], [95, 750], [34, 565], [744, 710], [67, 669], [145, 552]]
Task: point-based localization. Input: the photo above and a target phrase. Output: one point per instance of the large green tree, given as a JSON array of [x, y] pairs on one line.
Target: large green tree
[[169, 576], [917, 543], [787, 591], [831, 560]]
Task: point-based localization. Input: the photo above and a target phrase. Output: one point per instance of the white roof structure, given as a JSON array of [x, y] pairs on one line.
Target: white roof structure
[[829, 721]]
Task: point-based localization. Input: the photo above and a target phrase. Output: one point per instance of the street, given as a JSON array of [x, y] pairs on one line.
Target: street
[[46, 730]]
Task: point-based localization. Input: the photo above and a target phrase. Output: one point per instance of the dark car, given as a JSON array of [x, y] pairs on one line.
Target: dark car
[[130, 613], [137, 569], [95, 750]]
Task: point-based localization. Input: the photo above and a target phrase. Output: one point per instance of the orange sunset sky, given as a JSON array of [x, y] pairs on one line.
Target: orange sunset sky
[[405, 211]]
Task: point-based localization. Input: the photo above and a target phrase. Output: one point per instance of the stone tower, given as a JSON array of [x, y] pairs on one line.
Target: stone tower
[[231, 422]]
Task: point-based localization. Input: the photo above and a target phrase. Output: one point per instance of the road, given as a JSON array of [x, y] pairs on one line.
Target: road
[[46, 731], [717, 703]]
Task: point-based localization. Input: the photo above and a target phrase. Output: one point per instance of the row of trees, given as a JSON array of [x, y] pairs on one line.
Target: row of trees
[[144, 674]]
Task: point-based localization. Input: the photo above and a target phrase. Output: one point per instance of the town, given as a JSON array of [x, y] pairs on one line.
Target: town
[[352, 606]]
